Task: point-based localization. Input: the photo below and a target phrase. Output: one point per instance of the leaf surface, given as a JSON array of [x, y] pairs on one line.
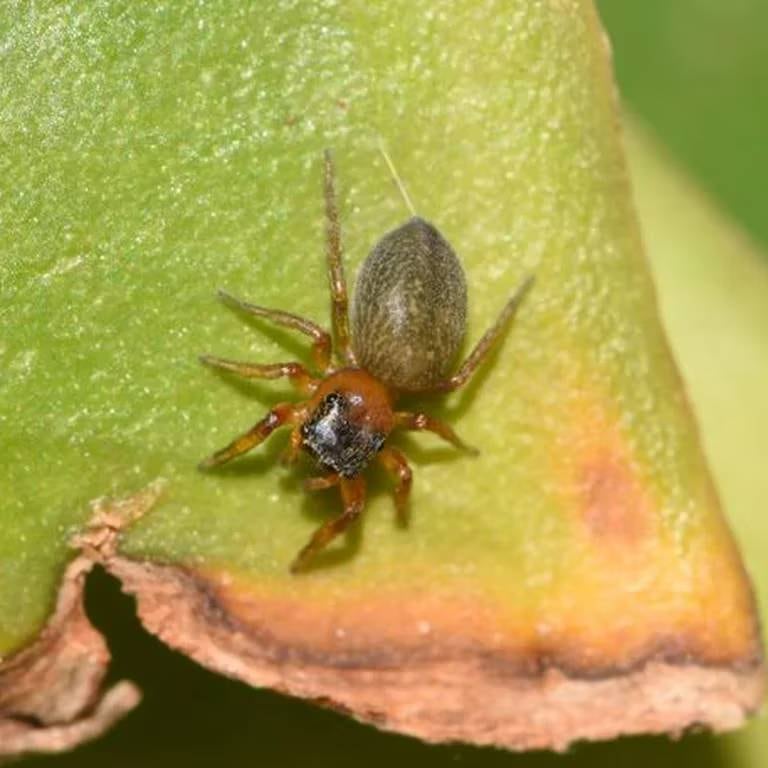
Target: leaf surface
[[161, 153]]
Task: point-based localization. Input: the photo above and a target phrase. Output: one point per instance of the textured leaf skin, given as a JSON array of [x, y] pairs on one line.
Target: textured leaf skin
[[160, 153]]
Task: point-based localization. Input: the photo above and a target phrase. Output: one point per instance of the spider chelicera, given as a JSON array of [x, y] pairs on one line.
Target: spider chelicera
[[408, 322]]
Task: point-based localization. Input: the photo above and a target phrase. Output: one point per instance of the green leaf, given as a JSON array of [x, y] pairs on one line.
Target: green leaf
[[159, 153]]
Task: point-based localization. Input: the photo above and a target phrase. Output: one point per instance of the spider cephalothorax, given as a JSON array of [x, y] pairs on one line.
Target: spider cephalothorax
[[409, 317], [344, 431]]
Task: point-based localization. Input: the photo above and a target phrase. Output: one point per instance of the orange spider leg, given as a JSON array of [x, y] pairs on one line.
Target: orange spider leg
[[353, 497], [489, 339], [396, 464], [336, 281], [296, 372], [322, 483], [420, 421], [291, 454], [321, 344], [280, 415]]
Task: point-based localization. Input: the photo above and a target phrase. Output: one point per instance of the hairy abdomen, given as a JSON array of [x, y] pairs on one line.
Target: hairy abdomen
[[410, 307]]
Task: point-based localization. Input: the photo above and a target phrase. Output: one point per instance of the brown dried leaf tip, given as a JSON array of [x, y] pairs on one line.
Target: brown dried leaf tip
[[51, 693], [460, 677]]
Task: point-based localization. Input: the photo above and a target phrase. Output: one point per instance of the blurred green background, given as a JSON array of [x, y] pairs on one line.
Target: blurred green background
[[695, 72]]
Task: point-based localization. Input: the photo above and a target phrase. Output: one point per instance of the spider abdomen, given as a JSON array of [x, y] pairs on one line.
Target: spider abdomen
[[410, 308]]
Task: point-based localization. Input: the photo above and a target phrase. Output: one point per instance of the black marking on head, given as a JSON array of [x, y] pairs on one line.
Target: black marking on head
[[336, 442]]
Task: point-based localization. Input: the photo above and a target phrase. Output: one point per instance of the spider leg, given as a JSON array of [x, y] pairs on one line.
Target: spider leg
[[336, 281], [353, 497], [321, 483], [397, 465], [294, 447], [285, 413], [490, 337], [296, 372], [321, 344], [420, 421]]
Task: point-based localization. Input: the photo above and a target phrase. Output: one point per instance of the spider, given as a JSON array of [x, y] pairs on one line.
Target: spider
[[408, 322]]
